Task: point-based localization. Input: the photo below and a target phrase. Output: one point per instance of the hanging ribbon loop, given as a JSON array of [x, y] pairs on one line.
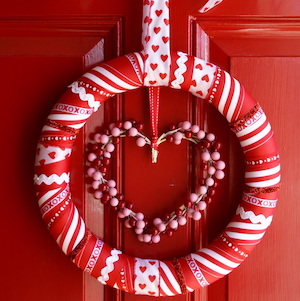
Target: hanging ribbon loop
[[156, 42]]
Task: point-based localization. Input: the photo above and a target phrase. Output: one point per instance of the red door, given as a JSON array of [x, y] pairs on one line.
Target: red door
[[44, 47]]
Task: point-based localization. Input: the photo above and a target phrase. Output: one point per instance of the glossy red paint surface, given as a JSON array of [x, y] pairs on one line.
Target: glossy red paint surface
[[45, 45]]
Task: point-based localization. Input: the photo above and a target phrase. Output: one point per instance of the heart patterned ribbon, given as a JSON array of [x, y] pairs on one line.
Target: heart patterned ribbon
[[157, 55], [156, 40]]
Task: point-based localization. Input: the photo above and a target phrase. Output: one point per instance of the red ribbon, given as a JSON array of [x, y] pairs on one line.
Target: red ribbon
[[154, 111]]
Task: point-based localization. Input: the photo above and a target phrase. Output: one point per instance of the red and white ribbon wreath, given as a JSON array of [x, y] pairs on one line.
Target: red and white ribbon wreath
[[149, 276], [112, 267]]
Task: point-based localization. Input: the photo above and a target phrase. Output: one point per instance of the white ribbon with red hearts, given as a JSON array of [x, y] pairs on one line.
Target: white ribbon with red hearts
[[156, 40]]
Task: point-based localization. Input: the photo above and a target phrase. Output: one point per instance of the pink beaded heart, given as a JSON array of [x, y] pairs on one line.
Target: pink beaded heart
[[106, 191]]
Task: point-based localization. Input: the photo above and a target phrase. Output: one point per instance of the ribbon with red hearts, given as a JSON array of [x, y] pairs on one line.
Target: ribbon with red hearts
[[157, 55], [156, 42]]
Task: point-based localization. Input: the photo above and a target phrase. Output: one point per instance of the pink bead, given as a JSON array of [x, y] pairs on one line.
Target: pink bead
[[182, 220], [138, 230], [140, 142], [193, 197], [190, 212], [140, 237], [121, 214], [200, 134], [133, 132], [127, 224], [205, 156], [107, 155], [211, 170], [95, 184], [114, 202], [209, 182], [111, 126], [111, 183], [202, 190], [161, 227], [215, 156], [157, 221], [173, 224], [177, 142], [178, 136], [220, 165], [97, 137], [97, 175], [104, 139], [92, 157], [201, 205], [98, 194], [115, 132], [126, 212], [219, 174], [139, 216], [186, 125], [210, 137], [147, 238], [195, 129], [91, 171], [140, 224], [127, 125], [113, 191], [155, 239], [110, 147], [196, 216]]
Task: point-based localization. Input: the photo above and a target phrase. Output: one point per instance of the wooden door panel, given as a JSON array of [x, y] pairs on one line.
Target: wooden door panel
[[272, 261], [263, 54], [40, 58], [257, 41]]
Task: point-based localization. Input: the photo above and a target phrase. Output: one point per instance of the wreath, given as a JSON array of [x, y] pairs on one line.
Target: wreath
[[149, 276]]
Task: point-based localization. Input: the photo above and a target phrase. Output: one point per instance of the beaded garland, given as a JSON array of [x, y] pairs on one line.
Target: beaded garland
[[105, 190]]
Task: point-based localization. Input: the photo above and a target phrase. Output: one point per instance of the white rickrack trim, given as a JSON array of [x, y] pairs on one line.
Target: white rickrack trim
[[54, 178], [255, 219], [84, 96], [109, 266], [182, 68]]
